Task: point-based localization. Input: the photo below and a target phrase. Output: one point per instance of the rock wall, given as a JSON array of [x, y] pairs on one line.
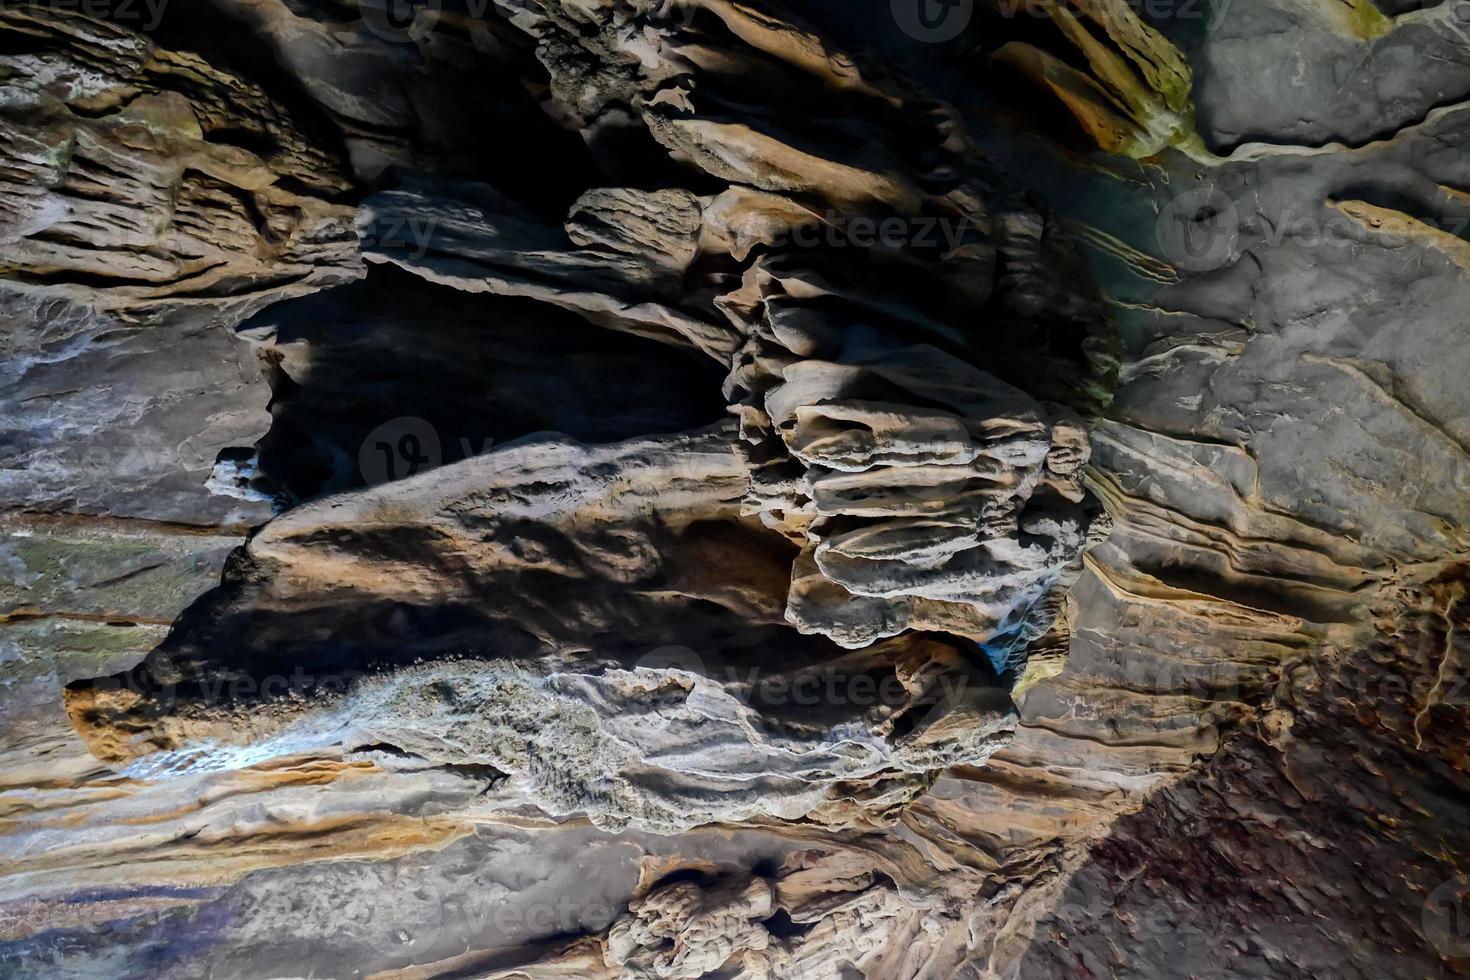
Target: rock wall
[[647, 489]]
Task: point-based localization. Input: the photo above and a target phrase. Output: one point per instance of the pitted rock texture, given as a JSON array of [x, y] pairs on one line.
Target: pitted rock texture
[[731, 489]]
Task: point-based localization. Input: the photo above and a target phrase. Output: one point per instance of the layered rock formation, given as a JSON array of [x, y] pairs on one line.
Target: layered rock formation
[[638, 489]]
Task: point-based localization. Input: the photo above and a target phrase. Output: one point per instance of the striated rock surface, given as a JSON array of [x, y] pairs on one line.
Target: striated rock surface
[[546, 584], [727, 489]]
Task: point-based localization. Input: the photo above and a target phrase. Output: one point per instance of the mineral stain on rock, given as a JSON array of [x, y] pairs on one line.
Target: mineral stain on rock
[[637, 489]]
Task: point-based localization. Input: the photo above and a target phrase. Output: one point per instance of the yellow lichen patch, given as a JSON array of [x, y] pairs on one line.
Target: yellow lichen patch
[[1134, 99], [1359, 18], [1037, 670], [1163, 67]]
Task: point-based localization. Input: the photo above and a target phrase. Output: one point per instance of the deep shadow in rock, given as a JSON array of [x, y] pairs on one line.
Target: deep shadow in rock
[[391, 376]]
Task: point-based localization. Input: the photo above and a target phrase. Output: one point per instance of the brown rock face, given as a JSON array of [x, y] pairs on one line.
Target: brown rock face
[[636, 489]]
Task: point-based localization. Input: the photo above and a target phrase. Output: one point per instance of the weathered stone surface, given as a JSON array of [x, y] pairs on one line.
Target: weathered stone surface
[[125, 180], [734, 491], [558, 579], [80, 597]]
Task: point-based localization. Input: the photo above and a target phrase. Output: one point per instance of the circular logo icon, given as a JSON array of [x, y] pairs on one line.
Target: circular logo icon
[[400, 21], [1198, 231], [398, 449], [1447, 918], [672, 658], [932, 21]]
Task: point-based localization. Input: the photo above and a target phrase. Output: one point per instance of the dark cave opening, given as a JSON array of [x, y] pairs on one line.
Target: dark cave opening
[[393, 376]]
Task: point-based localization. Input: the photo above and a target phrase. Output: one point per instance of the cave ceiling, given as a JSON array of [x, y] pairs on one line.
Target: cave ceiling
[[632, 489]]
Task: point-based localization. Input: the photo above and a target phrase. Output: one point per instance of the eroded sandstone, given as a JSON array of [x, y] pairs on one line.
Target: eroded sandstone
[[719, 489]]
